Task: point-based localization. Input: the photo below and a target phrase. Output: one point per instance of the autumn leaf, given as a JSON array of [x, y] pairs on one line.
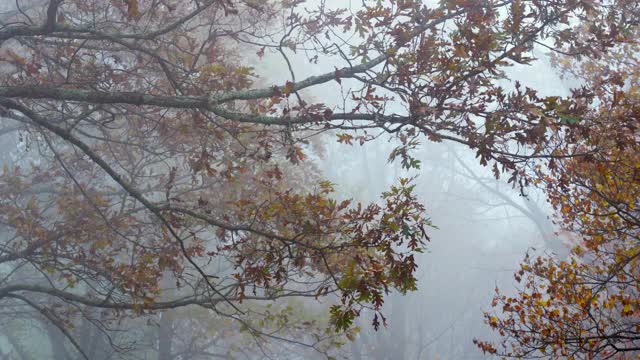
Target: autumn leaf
[[132, 8]]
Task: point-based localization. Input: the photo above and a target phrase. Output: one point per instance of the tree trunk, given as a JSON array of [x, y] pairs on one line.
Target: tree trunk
[[165, 335], [84, 339], [57, 341]]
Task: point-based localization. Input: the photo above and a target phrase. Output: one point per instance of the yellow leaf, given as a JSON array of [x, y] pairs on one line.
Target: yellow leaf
[[493, 321]]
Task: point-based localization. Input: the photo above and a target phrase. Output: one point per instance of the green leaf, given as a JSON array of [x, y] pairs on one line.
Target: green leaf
[[569, 119]]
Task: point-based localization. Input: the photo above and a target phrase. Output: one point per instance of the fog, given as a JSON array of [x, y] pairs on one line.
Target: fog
[[483, 228]]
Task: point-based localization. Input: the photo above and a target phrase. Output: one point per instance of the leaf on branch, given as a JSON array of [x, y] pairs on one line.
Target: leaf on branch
[[132, 8]]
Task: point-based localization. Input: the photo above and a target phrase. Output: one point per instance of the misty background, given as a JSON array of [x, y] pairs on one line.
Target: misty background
[[484, 226]]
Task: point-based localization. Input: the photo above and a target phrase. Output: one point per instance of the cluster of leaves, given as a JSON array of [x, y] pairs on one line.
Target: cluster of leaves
[[587, 306], [132, 209], [150, 119]]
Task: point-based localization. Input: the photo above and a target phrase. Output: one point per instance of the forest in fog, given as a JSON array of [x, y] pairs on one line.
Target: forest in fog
[[319, 179]]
